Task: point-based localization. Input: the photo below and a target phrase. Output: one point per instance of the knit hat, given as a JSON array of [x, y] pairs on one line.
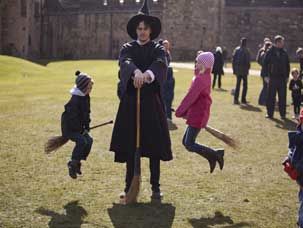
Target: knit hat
[[207, 59], [82, 81]]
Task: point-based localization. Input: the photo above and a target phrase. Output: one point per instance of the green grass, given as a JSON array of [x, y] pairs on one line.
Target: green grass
[[251, 191]]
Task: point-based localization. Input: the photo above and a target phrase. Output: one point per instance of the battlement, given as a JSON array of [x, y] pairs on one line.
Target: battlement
[[263, 3], [102, 6]]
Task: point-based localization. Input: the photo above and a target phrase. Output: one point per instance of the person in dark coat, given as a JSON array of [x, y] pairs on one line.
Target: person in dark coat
[[276, 68], [295, 86], [169, 87], [75, 122], [142, 66], [260, 58], [241, 66], [218, 67], [293, 163]]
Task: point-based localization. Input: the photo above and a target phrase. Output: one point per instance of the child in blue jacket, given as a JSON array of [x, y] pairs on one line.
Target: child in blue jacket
[[293, 164]]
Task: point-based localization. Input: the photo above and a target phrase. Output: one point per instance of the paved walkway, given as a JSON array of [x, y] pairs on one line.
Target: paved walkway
[[226, 70]]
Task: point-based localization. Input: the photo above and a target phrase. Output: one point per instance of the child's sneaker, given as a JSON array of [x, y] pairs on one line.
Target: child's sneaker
[[72, 169]]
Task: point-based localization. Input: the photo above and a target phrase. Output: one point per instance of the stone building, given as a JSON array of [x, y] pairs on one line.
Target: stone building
[[76, 29]]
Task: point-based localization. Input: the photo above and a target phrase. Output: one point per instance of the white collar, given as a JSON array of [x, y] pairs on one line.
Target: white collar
[[76, 91]]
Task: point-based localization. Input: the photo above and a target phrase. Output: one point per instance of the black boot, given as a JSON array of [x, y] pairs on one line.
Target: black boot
[[211, 158], [78, 168], [157, 195], [220, 157], [72, 168]]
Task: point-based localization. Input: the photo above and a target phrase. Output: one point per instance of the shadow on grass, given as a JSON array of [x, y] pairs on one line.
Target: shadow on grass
[[73, 218], [251, 108], [221, 90], [217, 219], [286, 124], [142, 215]]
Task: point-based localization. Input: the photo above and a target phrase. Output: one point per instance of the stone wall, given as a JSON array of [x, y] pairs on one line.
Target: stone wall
[[76, 29], [255, 23], [20, 28], [191, 25]]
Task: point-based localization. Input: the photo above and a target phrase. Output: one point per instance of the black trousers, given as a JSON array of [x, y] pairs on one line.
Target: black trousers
[[244, 91], [215, 79], [154, 167], [296, 98], [274, 86]]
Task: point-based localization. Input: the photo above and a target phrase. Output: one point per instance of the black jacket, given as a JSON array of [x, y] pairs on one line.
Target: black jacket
[[76, 117], [276, 63], [295, 87], [218, 64], [241, 61]]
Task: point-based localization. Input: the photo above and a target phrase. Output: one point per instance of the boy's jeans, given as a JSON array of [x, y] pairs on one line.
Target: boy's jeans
[[82, 147]]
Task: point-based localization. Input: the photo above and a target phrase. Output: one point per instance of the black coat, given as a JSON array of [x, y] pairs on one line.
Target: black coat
[[276, 63], [241, 61], [218, 64], [301, 67], [76, 117], [295, 91], [154, 135]]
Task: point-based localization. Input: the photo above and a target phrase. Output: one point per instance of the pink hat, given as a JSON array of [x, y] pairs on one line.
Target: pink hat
[[207, 59]]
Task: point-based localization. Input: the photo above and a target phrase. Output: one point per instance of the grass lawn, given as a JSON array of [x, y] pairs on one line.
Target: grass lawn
[[36, 191]]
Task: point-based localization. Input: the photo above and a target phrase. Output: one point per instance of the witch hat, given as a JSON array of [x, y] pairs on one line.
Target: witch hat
[[143, 15]]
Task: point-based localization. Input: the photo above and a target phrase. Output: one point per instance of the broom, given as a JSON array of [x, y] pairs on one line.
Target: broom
[[222, 136], [55, 142], [133, 192]]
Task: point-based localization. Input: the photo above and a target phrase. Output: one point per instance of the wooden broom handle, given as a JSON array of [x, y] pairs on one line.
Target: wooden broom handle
[[138, 120], [99, 125]]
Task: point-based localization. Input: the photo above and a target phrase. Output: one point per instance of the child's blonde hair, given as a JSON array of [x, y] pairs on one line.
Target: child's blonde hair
[[293, 70]]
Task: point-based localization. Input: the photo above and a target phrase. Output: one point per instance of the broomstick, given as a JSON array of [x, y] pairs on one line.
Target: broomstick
[[55, 142], [133, 192], [220, 135]]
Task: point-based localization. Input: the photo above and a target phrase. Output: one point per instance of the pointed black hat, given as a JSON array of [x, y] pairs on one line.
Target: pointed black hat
[[143, 15]]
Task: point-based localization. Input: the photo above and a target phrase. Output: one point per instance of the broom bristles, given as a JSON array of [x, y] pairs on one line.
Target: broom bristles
[[133, 192], [220, 135], [54, 143]]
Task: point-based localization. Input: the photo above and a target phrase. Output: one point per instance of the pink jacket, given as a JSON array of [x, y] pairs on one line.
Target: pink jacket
[[195, 106]]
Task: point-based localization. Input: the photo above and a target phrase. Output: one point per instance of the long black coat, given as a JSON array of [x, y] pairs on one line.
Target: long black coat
[[154, 134], [218, 64]]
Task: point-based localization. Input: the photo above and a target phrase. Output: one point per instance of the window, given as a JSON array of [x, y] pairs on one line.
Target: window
[[23, 8]]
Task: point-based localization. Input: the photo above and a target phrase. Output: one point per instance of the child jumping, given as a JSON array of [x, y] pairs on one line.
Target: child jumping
[[296, 86], [293, 164], [75, 122], [195, 108]]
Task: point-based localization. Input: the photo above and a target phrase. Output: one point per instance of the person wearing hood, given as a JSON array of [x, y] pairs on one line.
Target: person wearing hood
[[218, 67], [143, 66], [75, 122]]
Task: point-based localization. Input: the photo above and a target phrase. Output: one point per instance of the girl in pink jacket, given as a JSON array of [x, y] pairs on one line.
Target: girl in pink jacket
[[195, 108]]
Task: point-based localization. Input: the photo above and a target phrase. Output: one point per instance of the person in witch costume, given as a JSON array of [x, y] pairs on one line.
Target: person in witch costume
[[143, 66]]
